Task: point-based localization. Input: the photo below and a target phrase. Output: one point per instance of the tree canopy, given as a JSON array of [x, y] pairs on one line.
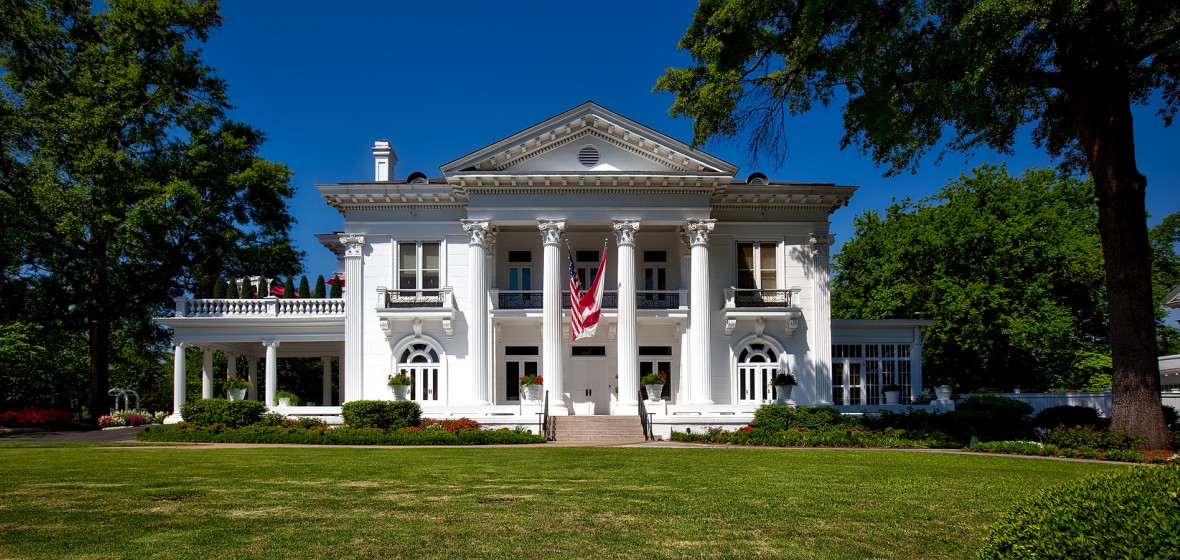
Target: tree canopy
[[915, 75], [123, 183], [1010, 269]]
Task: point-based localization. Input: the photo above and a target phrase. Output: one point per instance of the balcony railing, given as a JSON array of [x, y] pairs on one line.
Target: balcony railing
[[735, 297], [520, 299], [416, 299], [263, 307]]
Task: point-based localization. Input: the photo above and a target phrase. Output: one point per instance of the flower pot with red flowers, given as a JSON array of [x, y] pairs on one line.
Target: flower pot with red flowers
[[531, 387], [400, 385], [235, 388], [654, 383]]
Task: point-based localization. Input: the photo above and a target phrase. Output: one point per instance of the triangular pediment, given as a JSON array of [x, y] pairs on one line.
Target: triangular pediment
[[585, 141]]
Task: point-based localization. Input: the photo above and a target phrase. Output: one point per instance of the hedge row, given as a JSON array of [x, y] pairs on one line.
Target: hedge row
[[334, 436], [1051, 450], [233, 414], [827, 436], [1129, 514]]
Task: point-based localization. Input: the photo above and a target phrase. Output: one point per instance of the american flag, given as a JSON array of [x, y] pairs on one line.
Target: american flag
[[585, 308]]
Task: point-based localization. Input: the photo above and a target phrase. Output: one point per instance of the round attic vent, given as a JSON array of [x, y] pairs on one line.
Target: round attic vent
[[588, 155], [756, 178], [417, 178]]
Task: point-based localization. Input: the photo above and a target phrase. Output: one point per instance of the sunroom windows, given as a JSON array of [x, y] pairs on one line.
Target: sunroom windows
[[860, 372]]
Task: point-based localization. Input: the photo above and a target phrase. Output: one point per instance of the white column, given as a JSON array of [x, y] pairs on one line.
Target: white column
[[352, 373], [252, 377], [699, 315], [821, 324], [326, 399], [477, 318], [206, 372], [231, 365], [272, 370], [628, 337], [551, 319], [178, 381]]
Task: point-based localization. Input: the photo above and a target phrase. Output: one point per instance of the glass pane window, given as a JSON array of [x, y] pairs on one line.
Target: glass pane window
[[757, 266], [655, 278], [418, 266]]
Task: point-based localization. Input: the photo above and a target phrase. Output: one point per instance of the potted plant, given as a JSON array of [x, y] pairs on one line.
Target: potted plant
[[892, 393], [235, 388], [531, 387], [654, 383], [287, 398], [784, 384], [400, 385]]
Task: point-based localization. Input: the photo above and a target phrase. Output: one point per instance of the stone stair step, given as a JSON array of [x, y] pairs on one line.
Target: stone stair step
[[598, 429]]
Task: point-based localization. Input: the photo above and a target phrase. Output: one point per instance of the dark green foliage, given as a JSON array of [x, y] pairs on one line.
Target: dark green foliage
[[304, 290], [1092, 438], [321, 435], [988, 417], [319, 291], [289, 288], [292, 397], [231, 414], [777, 417], [1009, 268], [382, 415], [1172, 417], [337, 288], [1069, 415], [261, 290], [825, 436], [218, 289], [1131, 514]]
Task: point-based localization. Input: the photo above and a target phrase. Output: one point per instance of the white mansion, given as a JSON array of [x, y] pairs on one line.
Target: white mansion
[[462, 281]]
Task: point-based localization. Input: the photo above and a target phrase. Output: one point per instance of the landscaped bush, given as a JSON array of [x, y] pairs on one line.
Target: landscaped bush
[[381, 414], [777, 417], [1069, 415], [450, 424], [1131, 514], [35, 418], [1081, 437], [323, 435], [988, 417], [827, 436], [231, 414]]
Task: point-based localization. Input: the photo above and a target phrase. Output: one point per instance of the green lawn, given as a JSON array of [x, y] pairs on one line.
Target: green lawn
[[84, 502]]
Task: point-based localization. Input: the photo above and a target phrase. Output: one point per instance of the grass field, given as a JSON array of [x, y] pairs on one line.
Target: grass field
[[141, 502]]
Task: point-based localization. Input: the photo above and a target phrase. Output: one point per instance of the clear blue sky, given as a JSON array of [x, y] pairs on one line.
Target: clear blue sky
[[442, 79]]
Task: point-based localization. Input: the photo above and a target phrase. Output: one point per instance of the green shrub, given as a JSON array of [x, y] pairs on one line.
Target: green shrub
[[1069, 415], [987, 417], [381, 414], [288, 395], [322, 435], [777, 417], [1171, 417], [274, 419], [1129, 514], [1086, 436], [827, 436], [220, 411]]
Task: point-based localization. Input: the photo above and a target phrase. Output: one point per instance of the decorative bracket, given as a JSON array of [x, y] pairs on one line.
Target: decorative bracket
[[793, 322], [448, 328], [730, 325]]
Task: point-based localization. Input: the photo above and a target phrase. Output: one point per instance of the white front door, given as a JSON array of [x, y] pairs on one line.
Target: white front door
[[590, 385]]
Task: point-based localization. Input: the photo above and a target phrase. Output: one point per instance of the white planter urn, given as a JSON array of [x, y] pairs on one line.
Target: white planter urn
[[531, 392], [654, 391], [285, 401], [783, 393], [892, 397], [235, 394], [943, 392], [400, 392]]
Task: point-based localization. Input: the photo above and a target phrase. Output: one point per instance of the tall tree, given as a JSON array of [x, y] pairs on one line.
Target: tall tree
[[1010, 269], [132, 183], [911, 71]]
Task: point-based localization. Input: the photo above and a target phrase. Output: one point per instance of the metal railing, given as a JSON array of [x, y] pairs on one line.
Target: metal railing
[[548, 425], [645, 419], [416, 299], [740, 297], [533, 299]]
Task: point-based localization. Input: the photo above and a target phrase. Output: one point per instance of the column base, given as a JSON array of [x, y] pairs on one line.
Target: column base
[[631, 409], [173, 419]]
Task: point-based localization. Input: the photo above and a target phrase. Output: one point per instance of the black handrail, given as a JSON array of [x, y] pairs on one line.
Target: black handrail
[[645, 419]]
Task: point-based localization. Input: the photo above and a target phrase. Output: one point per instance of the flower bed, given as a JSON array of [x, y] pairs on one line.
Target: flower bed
[[34, 418], [828, 436], [436, 434]]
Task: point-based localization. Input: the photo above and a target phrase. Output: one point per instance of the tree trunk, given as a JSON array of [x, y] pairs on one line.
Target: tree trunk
[[1106, 133]]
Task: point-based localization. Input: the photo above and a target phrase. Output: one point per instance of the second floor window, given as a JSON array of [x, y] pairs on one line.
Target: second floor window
[[418, 265], [520, 270], [756, 266], [655, 272]]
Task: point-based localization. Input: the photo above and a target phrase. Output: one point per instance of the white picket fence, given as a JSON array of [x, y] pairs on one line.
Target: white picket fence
[[1099, 401]]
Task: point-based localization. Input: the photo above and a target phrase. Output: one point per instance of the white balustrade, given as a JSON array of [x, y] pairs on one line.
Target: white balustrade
[[264, 307]]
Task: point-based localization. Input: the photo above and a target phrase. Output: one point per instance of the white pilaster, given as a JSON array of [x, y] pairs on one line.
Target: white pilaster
[[477, 319], [822, 317], [272, 370], [206, 372], [178, 381], [252, 377], [628, 337], [699, 315], [326, 399], [551, 370], [351, 375]]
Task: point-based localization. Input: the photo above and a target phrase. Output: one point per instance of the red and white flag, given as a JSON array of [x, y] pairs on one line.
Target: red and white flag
[[585, 308]]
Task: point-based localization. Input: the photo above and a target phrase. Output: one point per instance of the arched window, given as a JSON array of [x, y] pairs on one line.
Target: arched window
[[757, 364], [419, 360]]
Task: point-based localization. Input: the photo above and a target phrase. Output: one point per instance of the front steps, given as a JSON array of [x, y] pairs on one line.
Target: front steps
[[603, 430]]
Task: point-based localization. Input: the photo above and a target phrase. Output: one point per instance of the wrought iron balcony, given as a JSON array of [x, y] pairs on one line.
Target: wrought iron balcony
[[736, 297], [416, 299]]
